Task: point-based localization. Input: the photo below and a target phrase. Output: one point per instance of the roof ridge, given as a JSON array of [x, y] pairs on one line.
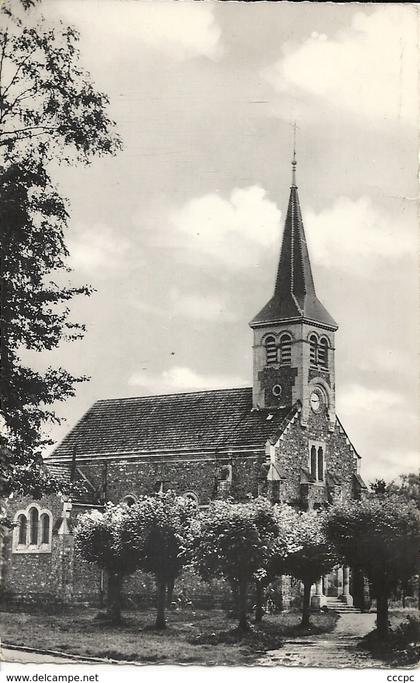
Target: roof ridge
[[175, 393]]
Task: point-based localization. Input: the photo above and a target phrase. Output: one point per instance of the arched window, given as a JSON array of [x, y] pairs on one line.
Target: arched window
[[313, 462], [191, 496], [33, 526], [22, 530], [225, 473], [45, 528], [285, 349], [129, 500], [320, 464], [323, 353], [270, 350], [313, 343], [32, 533]]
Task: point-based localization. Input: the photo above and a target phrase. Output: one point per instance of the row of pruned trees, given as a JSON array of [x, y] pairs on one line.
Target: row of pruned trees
[[250, 545]]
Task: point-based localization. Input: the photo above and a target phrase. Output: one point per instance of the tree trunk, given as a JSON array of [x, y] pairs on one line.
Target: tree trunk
[[259, 602], [170, 592], [114, 597], [243, 606], [382, 621], [161, 596], [306, 609]]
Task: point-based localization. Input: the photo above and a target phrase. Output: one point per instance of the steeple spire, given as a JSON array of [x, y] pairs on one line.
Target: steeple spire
[[294, 293]]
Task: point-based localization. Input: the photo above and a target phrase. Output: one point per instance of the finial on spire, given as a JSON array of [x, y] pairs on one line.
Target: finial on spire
[[294, 162]]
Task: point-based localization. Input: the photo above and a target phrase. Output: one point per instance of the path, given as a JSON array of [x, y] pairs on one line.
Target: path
[[330, 650], [21, 657]]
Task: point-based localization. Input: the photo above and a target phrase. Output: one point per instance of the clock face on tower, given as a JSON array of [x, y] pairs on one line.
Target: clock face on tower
[[316, 401]]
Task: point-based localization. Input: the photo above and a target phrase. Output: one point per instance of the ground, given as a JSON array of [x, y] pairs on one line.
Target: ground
[[336, 649], [194, 637], [21, 657]]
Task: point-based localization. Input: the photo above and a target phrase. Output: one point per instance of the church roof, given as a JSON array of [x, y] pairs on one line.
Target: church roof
[[84, 492], [294, 293], [220, 419]]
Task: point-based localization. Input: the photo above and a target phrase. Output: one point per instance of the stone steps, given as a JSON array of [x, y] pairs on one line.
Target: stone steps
[[337, 606]]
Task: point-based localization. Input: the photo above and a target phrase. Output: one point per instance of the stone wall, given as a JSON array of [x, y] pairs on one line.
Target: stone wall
[[292, 454], [200, 475]]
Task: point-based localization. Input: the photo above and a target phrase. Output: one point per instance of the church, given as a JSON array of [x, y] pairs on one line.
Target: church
[[279, 438]]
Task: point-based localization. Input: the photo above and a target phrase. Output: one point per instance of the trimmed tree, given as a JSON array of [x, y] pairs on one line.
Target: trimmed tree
[[233, 542], [280, 546], [302, 550], [158, 531], [97, 541], [381, 536], [49, 112]]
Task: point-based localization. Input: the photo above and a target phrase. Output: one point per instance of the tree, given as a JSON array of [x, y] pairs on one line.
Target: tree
[[97, 537], [280, 547], [49, 112], [302, 550], [233, 542], [379, 535], [379, 487], [406, 485], [158, 531]]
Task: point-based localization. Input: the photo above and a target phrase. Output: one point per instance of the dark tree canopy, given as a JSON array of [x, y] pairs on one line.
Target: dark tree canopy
[[97, 539], [158, 530], [381, 536], [234, 542], [303, 550], [49, 112], [406, 485]]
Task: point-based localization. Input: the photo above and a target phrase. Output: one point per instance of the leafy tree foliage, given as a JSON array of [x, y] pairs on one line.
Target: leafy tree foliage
[[302, 550], [379, 487], [379, 535], [97, 539], [49, 112], [158, 531], [406, 485], [233, 542], [280, 547]]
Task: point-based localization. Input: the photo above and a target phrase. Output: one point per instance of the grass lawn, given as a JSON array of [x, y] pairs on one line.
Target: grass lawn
[[402, 646], [192, 636]]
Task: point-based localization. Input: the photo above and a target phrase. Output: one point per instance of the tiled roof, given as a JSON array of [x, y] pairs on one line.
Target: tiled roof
[[192, 421], [294, 293], [84, 492], [61, 472]]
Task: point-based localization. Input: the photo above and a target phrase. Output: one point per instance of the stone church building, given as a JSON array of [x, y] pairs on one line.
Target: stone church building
[[280, 438]]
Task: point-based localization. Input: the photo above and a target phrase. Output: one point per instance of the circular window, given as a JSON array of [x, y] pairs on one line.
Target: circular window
[[191, 496], [129, 500], [277, 390]]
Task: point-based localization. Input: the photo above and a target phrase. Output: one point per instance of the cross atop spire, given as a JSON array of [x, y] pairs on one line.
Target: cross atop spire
[[294, 293], [294, 162]]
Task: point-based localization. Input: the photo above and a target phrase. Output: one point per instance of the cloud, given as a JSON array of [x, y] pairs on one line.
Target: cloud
[[369, 69], [207, 307], [385, 360], [355, 233], [390, 464], [357, 399], [97, 246], [234, 231], [180, 30], [183, 379]]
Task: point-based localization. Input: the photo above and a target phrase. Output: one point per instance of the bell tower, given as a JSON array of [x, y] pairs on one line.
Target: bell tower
[[294, 333]]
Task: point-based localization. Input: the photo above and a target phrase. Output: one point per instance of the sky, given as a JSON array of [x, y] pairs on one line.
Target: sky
[[180, 233]]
